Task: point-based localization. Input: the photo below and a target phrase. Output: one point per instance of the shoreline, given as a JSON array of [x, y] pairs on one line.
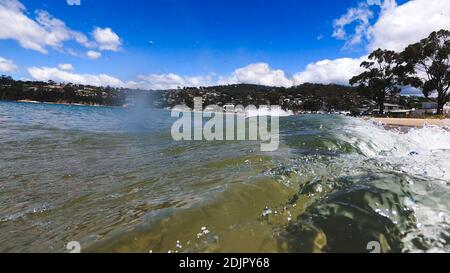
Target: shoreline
[[387, 122], [411, 122], [65, 103]]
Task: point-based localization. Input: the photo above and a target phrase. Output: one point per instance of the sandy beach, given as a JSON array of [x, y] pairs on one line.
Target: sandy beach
[[410, 122]]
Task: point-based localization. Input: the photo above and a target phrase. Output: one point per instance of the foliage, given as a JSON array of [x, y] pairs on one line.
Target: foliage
[[381, 76], [59, 93], [427, 66]]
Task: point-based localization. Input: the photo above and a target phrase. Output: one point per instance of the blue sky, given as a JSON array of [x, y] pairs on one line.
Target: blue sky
[[190, 37]]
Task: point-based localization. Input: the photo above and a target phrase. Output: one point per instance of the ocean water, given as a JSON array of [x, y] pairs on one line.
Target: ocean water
[[113, 180]]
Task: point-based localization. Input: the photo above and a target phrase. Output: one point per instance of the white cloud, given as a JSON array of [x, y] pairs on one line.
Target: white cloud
[[170, 81], [74, 2], [93, 55], [66, 67], [360, 17], [7, 65], [330, 71], [396, 27], [401, 25], [258, 73], [58, 31], [44, 31], [58, 75], [326, 71], [106, 39]]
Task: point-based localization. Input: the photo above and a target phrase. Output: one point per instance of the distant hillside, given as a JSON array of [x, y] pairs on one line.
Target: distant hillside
[[60, 93], [306, 97]]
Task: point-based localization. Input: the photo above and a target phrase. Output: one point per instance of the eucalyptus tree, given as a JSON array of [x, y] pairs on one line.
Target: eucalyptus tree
[[381, 76], [427, 66]]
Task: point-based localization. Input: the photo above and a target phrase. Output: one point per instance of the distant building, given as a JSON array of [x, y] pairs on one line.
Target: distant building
[[30, 88], [394, 110], [210, 109], [429, 105], [228, 107], [392, 107], [427, 108], [447, 108]]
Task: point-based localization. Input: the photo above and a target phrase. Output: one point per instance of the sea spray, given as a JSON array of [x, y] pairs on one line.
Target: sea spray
[[397, 177]]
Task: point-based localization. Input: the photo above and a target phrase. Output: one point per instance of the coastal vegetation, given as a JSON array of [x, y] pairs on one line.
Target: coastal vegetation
[[424, 65], [427, 66], [381, 77], [52, 92], [303, 98]]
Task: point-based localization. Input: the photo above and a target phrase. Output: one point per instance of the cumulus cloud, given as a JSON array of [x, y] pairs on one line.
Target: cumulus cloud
[[46, 31], [360, 18], [58, 75], [106, 39], [396, 27], [66, 67], [170, 81], [153, 81], [327, 71], [7, 65], [401, 25], [330, 71], [93, 55], [58, 31], [74, 2], [258, 73]]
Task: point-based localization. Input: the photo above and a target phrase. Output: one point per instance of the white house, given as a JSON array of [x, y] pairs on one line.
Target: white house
[[447, 108]]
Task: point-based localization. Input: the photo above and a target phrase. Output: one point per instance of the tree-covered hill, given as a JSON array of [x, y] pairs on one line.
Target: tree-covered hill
[[306, 97]]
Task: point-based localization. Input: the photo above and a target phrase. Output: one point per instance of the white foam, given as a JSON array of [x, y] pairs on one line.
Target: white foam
[[421, 153], [265, 111]]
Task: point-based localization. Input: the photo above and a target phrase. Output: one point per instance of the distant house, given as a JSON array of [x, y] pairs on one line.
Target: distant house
[[30, 88], [298, 101], [429, 105], [54, 87], [228, 107], [447, 108], [431, 108], [210, 109], [392, 107], [363, 111], [394, 110]]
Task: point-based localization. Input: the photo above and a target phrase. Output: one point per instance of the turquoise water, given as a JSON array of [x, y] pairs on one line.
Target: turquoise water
[[115, 181]]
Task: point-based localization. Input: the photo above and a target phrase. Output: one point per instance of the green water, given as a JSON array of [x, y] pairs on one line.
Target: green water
[[115, 181]]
